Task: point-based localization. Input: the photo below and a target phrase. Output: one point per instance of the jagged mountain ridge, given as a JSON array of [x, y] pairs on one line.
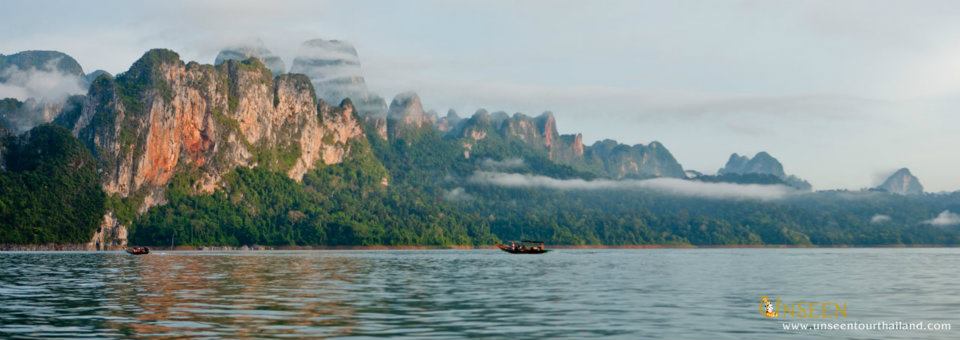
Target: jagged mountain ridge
[[606, 158], [334, 68]]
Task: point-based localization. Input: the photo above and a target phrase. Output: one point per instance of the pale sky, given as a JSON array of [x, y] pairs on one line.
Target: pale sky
[[841, 92]]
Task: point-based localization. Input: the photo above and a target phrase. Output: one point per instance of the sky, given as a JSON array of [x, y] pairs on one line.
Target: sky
[[841, 92]]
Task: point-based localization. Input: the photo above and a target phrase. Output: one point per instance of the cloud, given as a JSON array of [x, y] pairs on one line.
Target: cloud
[[946, 218], [457, 194], [671, 186], [506, 164], [878, 219], [46, 84], [43, 91]]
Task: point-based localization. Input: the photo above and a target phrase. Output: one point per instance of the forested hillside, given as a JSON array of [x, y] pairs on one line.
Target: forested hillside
[[174, 153]]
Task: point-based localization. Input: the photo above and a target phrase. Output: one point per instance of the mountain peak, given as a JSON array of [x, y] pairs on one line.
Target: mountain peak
[[406, 111], [404, 104], [761, 163], [42, 60], [452, 114], [902, 182]]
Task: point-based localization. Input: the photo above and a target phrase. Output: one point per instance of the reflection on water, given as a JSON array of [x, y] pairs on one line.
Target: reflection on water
[[709, 294]]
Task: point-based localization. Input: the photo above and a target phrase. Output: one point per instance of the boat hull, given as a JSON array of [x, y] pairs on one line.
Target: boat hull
[[138, 250], [522, 251]]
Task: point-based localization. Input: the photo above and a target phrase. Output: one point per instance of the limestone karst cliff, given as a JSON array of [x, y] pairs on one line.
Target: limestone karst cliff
[[165, 117]]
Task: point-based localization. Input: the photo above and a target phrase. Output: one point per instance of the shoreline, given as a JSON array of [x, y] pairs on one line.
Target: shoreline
[[84, 248]]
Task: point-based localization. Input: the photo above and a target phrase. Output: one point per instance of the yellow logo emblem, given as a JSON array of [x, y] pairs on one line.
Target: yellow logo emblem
[[766, 308]]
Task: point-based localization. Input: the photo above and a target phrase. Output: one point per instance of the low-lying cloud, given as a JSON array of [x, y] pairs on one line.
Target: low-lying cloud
[[46, 84], [457, 194], [946, 218], [671, 186], [43, 91], [879, 218]]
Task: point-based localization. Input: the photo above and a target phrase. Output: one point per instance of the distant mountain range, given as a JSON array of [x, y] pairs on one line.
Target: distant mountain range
[[168, 130]]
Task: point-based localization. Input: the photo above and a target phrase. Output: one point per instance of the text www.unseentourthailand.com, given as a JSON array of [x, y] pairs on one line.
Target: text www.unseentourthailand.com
[[867, 326]]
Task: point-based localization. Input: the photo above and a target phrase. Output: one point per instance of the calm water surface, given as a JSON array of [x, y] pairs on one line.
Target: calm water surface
[[663, 293]]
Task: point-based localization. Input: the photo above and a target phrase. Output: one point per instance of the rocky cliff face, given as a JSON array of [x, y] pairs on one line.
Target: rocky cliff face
[[244, 52], [163, 118], [763, 164], [902, 182], [636, 161], [334, 68], [541, 132]]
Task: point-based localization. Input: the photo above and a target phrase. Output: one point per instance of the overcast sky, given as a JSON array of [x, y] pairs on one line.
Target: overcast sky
[[842, 92]]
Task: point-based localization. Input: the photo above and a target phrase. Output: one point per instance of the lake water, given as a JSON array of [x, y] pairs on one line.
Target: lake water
[[659, 293]]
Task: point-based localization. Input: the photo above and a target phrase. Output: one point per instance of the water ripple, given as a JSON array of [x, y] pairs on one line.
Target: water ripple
[[665, 293]]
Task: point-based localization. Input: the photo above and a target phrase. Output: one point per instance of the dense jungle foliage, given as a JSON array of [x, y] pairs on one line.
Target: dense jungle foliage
[[420, 190]]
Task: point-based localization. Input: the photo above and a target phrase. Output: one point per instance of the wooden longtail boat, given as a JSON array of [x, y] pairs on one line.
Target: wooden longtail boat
[[524, 247], [138, 250]]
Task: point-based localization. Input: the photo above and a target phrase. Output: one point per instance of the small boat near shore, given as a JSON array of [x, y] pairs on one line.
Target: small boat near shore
[[523, 247], [138, 250]]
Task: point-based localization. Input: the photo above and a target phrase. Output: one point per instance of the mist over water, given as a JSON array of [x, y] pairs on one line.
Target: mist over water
[[664, 293]]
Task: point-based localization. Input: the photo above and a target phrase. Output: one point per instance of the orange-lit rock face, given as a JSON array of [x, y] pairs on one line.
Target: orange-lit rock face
[[212, 119], [578, 145], [163, 117], [341, 126], [549, 130], [179, 130]]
